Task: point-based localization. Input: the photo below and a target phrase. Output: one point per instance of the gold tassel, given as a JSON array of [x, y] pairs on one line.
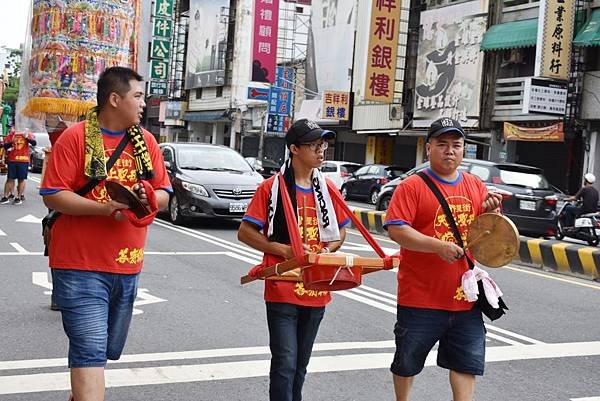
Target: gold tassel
[[53, 105]]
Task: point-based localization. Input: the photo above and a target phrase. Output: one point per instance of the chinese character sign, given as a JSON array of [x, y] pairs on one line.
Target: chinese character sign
[[383, 48], [280, 101], [450, 64], [264, 44], [336, 105], [162, 31], [555, 38]]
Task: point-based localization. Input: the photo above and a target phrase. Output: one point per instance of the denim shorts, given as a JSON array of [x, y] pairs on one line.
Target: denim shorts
[[96, 311], [17, 170], [461, 337]]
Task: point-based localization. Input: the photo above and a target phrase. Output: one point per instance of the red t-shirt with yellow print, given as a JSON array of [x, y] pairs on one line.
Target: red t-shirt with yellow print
[[424, 279], [19, 152], [257, 214], [98, 243]]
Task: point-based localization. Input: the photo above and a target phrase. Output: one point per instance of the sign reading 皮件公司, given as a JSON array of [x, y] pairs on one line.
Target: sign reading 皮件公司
[[545, 96], [160, 51]]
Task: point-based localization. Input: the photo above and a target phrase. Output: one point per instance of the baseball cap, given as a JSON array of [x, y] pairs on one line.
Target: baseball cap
[[444, 125], [306, 131], [589, 177]]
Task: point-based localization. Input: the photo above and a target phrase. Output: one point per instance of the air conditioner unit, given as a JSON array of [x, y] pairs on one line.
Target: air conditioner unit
[[395, 112]]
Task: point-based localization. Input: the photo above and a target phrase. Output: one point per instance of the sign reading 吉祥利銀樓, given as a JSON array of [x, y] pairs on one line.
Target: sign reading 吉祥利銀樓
[[336, 105], [383, 48], [556, 23]]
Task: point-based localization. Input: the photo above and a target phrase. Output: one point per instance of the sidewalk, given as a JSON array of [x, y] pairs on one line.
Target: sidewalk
[[562, 257]]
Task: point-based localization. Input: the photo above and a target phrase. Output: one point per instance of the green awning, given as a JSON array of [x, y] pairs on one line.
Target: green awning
[[589, 35], [511, 35]]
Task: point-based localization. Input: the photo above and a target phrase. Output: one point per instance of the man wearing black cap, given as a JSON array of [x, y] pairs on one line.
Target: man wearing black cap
[[293, 312], [432, 306]]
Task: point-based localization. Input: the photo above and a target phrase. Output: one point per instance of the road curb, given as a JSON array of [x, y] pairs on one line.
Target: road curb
[[562, 257]]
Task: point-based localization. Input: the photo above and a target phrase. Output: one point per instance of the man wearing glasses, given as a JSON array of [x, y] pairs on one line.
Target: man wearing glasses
[[293, 312]]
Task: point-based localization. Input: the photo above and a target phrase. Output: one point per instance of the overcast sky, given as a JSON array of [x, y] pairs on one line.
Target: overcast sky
[[13, 22]]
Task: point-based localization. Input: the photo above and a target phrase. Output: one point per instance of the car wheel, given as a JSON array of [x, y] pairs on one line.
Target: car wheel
[[384, 203], [594, 240], [344, 192], [175, 211], [560, 233], [373, 197]]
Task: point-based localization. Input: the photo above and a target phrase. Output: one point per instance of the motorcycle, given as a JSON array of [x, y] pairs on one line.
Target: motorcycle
[[586, 228]]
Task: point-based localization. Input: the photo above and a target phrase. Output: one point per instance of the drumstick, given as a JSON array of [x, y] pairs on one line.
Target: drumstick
[[304, 233], [481, 236]]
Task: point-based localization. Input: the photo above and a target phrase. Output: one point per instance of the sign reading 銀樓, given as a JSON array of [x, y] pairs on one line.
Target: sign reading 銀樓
[[160, 51], [383, 48], [335, 105], [264, 44], [545, 96], [555, 38]]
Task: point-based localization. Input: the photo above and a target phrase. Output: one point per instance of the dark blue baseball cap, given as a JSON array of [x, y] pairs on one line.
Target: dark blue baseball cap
[[306, 131], [444, 125]]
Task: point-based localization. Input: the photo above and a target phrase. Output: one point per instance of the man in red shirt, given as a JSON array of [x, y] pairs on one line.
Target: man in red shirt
[[16, 145], [293, 312], [431, 303], [96, 249]]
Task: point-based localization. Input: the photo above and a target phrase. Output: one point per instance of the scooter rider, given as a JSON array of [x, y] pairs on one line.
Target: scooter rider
[[589, 198]]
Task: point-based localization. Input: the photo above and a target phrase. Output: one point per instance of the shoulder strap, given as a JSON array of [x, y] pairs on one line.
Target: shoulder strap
[[91, 184], [438, 194]]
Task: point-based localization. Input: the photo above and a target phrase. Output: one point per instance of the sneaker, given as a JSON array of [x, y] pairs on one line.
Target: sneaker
[[11, 196], [17, 201], [4, 200], [54, 306]]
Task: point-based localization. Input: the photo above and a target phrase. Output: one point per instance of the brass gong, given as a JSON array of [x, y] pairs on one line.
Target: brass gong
[[493, 240]]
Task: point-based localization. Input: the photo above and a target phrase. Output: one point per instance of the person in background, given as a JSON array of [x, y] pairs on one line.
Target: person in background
[[16, 145], [588, 195]]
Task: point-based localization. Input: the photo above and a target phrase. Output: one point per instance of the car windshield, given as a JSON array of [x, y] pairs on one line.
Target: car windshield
[[42, 140], [523, 179], [211, 158]]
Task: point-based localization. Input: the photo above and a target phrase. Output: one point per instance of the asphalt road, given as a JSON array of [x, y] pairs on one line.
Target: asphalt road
[[198, 335]]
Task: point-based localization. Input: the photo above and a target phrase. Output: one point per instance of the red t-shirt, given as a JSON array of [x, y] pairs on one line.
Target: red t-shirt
[[19, 152], [98, 243], [424, 279], [257, 214]]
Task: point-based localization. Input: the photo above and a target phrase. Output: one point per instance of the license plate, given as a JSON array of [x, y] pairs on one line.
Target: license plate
[[527, 205], [238, 207]]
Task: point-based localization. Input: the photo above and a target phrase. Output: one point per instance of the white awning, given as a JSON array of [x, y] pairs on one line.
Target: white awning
[[312, 109]]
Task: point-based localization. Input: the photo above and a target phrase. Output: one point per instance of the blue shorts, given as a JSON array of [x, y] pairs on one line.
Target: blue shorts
[[17, 170], [96, 311], [461, 336]]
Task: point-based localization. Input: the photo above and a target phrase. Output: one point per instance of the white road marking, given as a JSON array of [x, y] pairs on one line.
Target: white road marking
[[586, 399], [2, 233], [34, 179], [19, 248], [512, 334], [42, 382], [29, 219], [41, 279], [355, 246], [553, 277], [143, 298]]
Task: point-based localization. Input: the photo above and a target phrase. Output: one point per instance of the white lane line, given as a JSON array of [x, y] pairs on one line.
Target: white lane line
[[210, 238], [34, 179], [377, 237], [586, 399], [199, 354], [43, 382], [376, 291], [387, 300], [503, 339], [366, 301], [512, 334], [2, 233], [553, 277], [19, 248]]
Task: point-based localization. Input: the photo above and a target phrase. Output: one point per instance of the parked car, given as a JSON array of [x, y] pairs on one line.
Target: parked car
[[266, 167], [208, 180], [36, 153], [366, 182], [528, 198], [338, 171]]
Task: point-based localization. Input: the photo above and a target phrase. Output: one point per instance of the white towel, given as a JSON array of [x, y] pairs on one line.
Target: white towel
[[328, 225], [490, 288]]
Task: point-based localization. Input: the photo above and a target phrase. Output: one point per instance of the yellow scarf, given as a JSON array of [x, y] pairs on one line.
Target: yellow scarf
[[95, 161]]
